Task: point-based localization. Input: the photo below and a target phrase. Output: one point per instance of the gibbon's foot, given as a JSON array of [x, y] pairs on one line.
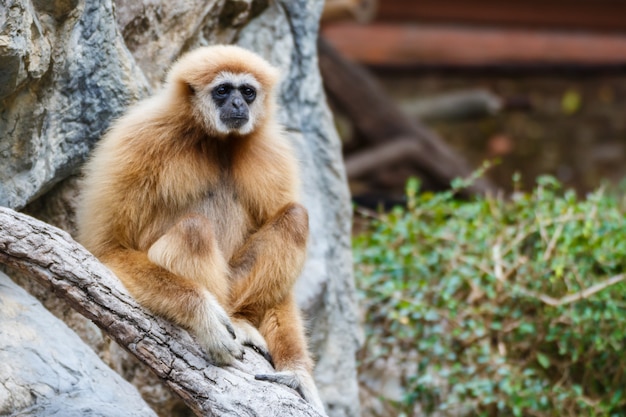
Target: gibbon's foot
[[299, 380], [217, 335], [265, 353], [249, 336]]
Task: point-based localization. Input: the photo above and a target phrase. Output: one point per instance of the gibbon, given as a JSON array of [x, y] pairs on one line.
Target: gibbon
[[191, 199]]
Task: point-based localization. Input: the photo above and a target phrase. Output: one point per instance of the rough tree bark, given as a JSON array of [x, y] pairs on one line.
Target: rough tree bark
[[53, 257]]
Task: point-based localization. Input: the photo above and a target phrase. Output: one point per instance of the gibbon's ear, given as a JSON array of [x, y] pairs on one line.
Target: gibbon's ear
[[192, 90]]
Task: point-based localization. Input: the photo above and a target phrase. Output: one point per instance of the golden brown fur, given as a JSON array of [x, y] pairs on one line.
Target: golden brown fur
[[204, 227]]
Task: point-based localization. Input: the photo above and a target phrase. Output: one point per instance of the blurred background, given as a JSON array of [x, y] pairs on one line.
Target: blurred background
[[433, 88]]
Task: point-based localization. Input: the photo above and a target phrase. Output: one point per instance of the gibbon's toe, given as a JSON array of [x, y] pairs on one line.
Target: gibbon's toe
[[300, 381]]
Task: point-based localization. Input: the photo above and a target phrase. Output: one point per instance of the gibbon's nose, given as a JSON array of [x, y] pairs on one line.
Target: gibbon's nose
[[238, 102]]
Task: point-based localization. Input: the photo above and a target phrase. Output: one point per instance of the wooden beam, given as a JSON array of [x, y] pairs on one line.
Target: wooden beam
[[357, 10], [411, 45], [607, 15]]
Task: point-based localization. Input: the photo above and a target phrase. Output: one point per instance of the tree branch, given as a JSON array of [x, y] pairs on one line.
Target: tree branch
[[55, 259], [380, 120], [394, 151]]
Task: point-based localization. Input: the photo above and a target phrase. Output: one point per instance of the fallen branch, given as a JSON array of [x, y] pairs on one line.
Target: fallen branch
[[586, 293], [392, 152], [55, 259], [457, 105]]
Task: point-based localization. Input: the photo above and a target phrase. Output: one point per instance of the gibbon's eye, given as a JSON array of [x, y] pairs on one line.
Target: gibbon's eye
[[248, 92], [222, 90]]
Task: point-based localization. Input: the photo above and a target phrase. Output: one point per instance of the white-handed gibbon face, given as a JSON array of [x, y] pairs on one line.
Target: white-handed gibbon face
[[231, 104]]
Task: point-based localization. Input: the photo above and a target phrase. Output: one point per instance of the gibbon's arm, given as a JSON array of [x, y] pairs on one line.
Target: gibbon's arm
[[266, 268]]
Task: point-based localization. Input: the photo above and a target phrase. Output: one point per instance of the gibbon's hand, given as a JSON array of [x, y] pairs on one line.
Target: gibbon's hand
[[249, 336], [216, 333]]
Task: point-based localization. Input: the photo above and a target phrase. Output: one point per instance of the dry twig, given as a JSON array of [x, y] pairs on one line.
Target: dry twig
[[568, 299]]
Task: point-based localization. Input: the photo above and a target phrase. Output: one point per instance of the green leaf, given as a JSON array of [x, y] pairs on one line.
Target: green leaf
[[543, 360], [431, 289]]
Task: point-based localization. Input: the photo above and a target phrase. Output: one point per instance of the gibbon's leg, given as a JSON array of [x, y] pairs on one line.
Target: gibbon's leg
[[284, 332], [265, 269], [174, 280], [189, 249]]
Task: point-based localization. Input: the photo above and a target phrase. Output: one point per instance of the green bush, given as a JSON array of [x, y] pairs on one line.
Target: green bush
[[512, 307]]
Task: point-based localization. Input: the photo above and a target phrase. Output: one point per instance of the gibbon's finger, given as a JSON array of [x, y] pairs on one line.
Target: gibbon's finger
[[248, 335], [261, 351], [230, 328]]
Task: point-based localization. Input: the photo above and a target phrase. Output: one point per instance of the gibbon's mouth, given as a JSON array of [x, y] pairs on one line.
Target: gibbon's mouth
[[235, 121]]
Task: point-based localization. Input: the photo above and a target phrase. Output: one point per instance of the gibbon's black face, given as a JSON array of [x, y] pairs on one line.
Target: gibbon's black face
[[232, 102]]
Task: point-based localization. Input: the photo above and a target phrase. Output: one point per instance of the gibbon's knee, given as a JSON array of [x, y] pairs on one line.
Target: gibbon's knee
[[191, 235], [270, 247], [293, 221], [189, 249]]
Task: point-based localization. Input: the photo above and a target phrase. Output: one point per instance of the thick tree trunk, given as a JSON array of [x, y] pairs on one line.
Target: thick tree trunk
[[51, 256]]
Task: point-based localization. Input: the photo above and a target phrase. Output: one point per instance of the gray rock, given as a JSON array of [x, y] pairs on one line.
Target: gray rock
[[65, 73], [46, 370]]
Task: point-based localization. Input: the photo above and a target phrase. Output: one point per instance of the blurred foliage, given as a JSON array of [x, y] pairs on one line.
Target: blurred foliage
[[571, 102], [511, 307]]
